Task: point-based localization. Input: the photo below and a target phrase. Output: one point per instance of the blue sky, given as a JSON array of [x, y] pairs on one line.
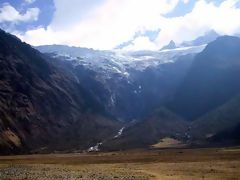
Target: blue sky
[[46, 7], [107, 24]]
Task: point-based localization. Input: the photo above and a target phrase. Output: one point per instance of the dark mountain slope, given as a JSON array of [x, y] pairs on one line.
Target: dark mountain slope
[[162, 123], [228, 137], [153, 87], [221, 119], [212, 80], [40, 103]]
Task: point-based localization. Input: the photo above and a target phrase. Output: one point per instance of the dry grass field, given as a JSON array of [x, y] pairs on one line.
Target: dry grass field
[[222, 163]]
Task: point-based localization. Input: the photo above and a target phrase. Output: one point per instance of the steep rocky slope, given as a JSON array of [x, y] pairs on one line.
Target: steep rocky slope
[[41, 104], [212, 80]]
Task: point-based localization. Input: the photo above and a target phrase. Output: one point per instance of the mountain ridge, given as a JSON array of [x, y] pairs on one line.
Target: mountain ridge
[[217, 66], [56, 102], [40, 104]]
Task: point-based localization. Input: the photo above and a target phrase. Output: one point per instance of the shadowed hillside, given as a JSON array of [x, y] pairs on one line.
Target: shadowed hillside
[[41, 104]]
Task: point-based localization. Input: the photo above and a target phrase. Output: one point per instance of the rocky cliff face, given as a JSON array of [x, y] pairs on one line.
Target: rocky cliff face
[[40, 104]]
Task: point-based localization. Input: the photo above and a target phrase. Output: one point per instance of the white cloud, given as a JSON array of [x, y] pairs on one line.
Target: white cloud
[[9, 14], [141, 43], [69, 14], [111, 22], [104, 26], [224, 19]]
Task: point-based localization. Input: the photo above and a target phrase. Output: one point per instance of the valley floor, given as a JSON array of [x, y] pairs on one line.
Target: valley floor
[[222, 163]]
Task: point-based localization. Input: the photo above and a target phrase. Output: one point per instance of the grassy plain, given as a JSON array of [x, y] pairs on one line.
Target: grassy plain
[[212, 163]]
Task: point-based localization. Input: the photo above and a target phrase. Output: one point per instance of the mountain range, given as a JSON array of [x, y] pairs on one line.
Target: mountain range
[[60, 98]]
